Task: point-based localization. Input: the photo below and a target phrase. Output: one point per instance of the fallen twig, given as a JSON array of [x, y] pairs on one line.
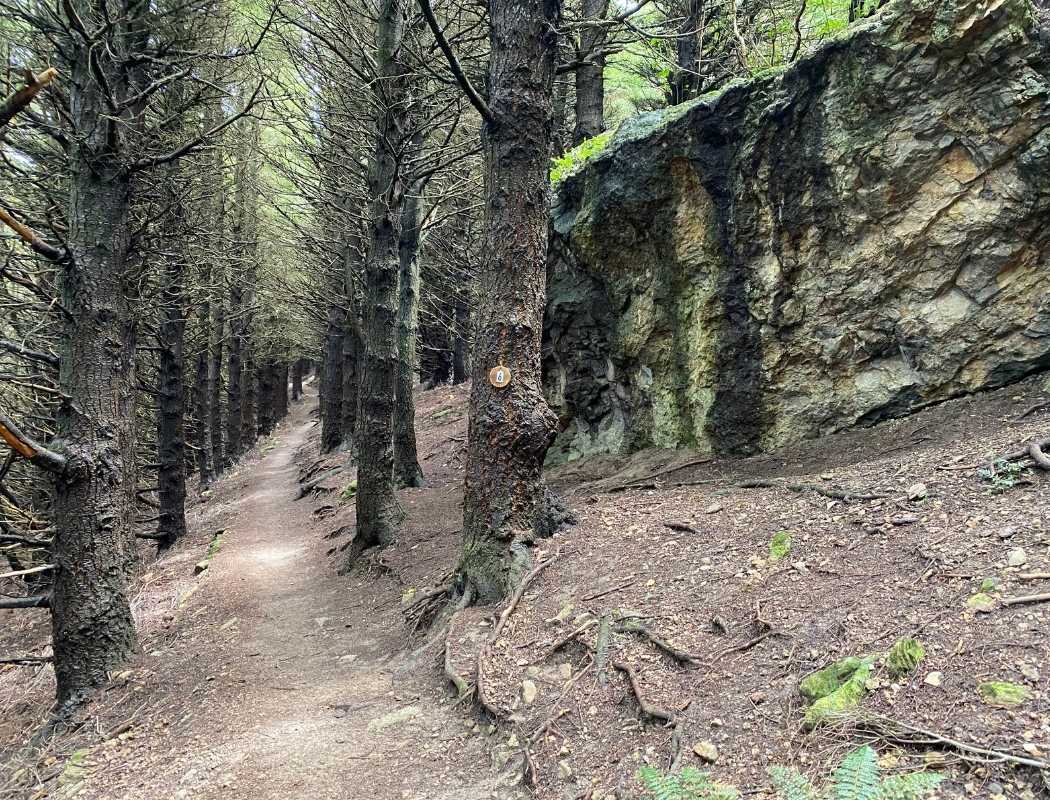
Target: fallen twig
[[31, 571], [681, 527], [832, 493], [902, 732], [648, 479], [604, 592], [1028, 598]]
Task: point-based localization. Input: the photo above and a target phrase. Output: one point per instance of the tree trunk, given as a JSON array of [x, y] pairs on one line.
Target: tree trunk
[[511, 428], [267, 395], [685, 78], [351, 353], [93, 548], [461, 343], [406, 458], [282, 390], [215, 384], [171, 401], [332, 381], [234, 374], [297, 379], [378, 513], [249, 407], [590, 78], [202, 415]]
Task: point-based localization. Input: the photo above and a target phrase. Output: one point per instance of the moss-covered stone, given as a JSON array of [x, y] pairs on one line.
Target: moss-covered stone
[[836, 690], [1002, 693], [904, 657], [779, 545], [981, 603], [842, 700]]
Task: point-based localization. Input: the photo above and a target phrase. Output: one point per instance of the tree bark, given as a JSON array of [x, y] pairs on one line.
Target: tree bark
[[406, 457], [202, 401], [378, 513], [461, 343], [93, 548], [332, 380], [249, 406], [171, 406], [685, 78], [282, 390], [511, 428], [590, 77], [234, 374], [297, 379], [266, 394], [215, 382]]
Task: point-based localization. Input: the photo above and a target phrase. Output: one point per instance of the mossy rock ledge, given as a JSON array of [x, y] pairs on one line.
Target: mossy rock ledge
[[812, 250]]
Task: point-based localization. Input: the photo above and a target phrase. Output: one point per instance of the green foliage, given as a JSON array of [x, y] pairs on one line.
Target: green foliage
[[791, 784], [1002, 475], [565, 165], [857, 778], [687, 784], [349, 492]]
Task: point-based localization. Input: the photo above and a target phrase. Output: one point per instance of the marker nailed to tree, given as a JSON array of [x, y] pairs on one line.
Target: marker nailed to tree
[[499, 376]]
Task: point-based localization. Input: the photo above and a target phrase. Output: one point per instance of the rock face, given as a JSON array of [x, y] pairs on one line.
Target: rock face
[[825, 247]]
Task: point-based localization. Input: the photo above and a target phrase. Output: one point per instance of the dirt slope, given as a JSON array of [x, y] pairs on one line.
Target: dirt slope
[[264, 681]]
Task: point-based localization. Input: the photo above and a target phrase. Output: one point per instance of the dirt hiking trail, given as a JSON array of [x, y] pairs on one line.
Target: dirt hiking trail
[[284, 679]]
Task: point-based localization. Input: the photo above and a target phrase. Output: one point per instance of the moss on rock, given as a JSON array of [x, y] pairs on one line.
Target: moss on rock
[[779, 545], [836, 690], [904, 657], [1002, 693]]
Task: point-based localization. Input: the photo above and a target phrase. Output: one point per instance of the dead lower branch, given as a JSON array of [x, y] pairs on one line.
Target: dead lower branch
[[21, 99]]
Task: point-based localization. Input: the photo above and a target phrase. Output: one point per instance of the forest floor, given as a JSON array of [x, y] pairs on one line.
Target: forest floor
[[273, 675]]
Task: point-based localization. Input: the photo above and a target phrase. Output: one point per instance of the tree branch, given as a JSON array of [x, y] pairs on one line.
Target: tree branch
[[27, 448], [457, 70], [193, 144], [36, 601], [38, 245], [21, 99], [25, 352]]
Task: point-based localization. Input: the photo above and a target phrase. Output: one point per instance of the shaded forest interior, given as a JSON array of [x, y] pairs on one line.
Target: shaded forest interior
[[258, 254]]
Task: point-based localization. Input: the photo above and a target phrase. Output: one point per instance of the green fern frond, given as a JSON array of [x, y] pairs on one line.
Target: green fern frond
[[791, 784], [909, 787], [858, 776], [689, 784]]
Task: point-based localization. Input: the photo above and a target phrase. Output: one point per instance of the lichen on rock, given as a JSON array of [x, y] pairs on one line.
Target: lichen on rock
[[857, 235]]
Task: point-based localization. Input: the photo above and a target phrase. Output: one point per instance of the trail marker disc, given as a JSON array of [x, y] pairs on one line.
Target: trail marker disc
[[499, 376]]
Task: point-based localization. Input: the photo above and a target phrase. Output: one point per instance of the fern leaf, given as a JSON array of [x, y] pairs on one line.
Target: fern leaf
[[858, 776], [909, 787], [791, 784]]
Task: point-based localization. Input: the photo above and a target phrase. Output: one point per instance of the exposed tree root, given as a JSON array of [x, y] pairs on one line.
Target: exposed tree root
[[36, 601], [516, 598], [1023, 453], [679, 655], [647, 708]]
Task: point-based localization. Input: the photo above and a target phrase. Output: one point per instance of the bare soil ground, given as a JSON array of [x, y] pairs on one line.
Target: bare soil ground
[[279, 677]]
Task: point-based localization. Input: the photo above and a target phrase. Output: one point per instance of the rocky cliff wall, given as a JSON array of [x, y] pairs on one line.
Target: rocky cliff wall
[[860, 234]]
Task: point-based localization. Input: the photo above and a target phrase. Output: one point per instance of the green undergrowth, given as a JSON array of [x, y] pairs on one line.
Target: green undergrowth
[[574, 158]]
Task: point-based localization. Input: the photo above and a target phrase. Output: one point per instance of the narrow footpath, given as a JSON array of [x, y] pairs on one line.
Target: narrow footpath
[[279, 678]]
